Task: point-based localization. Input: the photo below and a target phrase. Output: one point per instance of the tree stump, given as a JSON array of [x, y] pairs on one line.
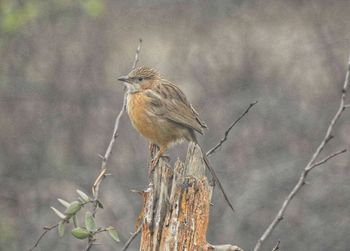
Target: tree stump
[[175, 213]]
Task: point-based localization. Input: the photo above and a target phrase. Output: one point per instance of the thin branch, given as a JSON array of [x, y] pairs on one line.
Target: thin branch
[[212, 150], [132, 237], [92, 239], [106, 156], [136, 60], [91, 242], [277, 247], [326, 159], [46, 229], [310, 165]]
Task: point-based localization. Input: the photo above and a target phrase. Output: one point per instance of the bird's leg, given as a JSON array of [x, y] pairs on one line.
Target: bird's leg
[[152, 149], [154, 161], [166, 157]]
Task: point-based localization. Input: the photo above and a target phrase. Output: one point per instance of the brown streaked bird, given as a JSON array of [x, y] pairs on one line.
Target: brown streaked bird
[[159, 111]]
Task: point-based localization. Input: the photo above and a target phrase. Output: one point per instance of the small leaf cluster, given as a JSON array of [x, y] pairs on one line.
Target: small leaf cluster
[[90, 228]]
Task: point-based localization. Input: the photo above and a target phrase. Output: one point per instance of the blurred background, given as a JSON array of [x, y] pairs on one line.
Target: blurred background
[[59, 98]]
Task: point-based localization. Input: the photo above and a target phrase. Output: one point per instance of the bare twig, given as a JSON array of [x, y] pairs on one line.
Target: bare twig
[[132, 237], [277, 247], [106, 156], [91, 242], [46, 229], [136, 60], [326, 159], [310, 165], [212, 150], [225, 247], [102, 174]]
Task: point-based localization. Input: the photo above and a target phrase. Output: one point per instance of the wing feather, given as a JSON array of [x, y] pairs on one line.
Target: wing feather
[[169, 102]]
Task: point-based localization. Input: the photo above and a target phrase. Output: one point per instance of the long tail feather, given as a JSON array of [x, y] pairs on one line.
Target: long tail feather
[[212, 172]]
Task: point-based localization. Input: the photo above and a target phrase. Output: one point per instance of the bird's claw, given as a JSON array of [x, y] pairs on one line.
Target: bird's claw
[[154, 163], [166, 157], [152, 148]]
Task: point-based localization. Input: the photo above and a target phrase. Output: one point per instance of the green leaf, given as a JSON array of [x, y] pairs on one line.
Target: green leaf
[[73, 208], [81, 200], [113, 233], [83, 195], [61, 228], [58, 213], [63, 202], [80, 233], [90, 222], [75, 221]]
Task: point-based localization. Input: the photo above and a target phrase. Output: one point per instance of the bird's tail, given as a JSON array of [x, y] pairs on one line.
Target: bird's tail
[[212, 172]]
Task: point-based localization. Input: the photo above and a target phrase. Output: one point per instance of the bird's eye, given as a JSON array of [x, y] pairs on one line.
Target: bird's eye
[[140, 79]]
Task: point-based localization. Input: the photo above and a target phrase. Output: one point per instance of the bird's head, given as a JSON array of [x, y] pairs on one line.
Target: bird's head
[[139, 79]]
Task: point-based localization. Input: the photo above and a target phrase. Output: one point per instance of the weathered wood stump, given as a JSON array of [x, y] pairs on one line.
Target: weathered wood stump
[[175, 214]]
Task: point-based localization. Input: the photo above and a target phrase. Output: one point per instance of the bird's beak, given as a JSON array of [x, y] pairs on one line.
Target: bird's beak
[[124, 79]]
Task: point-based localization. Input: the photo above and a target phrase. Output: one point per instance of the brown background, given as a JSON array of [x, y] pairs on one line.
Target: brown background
[[59, 98]]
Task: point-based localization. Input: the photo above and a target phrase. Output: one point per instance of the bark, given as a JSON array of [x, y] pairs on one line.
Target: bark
[[175, 214]]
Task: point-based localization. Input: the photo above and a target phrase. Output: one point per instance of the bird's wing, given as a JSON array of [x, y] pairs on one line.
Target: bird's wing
[[169, 102]]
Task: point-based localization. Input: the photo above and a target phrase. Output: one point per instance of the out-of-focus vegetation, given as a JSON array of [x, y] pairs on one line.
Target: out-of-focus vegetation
[[59, 98], [15, 15]]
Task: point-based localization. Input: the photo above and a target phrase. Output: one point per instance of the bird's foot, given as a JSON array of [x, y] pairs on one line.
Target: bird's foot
[[152, 149], [154, 163], [166, 157]]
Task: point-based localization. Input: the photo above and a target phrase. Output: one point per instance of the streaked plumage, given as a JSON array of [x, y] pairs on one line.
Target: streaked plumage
[[159, 110]]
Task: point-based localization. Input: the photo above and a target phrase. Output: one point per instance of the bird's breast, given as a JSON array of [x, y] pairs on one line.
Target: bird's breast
[[156, 129], [137, 110], [140, 116]]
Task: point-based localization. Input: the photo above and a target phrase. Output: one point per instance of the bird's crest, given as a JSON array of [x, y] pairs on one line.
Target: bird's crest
[[144, 73]]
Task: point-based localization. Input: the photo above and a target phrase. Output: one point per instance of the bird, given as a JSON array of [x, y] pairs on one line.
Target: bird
[[160, 112]]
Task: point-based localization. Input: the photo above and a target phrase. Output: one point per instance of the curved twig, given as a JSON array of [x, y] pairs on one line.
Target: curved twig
[[106, 156], [103, 173], [212, 150], [277, 247], [132, 237], [46, 229], [310, 165]]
